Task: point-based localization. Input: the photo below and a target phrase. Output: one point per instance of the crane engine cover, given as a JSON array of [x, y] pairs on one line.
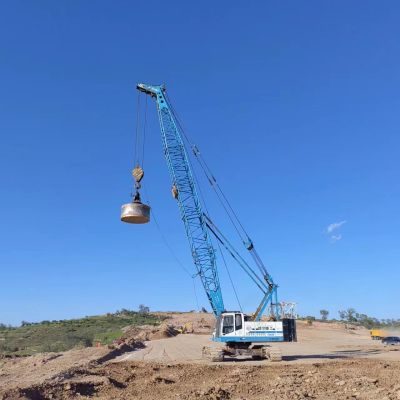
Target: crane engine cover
[[135, 213]]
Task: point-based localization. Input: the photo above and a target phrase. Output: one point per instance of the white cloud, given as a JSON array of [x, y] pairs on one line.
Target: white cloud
[[335, 225], [336, 238]]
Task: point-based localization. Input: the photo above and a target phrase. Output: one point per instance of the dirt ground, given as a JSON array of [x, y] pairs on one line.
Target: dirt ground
[[148, 332], [327, 362], [318, 343]]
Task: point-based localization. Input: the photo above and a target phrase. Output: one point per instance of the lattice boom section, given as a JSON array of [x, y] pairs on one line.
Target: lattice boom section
[[190, 207]]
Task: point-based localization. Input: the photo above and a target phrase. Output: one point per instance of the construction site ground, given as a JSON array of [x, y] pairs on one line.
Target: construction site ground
[[327, 362]]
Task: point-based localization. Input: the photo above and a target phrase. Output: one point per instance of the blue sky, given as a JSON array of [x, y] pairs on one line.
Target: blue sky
[[294, 105]]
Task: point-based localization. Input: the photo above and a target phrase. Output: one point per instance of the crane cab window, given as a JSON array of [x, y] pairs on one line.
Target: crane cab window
[[238, 322], [227, 326]]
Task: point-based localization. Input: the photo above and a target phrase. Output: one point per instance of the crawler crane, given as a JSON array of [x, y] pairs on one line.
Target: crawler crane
[[241, 334]]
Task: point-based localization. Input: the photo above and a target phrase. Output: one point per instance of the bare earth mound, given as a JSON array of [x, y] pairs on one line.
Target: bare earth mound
[[24, 373], [147, 332], [355, 379]]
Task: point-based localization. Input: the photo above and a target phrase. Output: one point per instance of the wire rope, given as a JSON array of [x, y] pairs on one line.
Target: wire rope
[[229, 274], [162, 235], [219, 246], [209, 180], [195, 294], [169, 247], [144, 132], [186, 132], [137, 150]]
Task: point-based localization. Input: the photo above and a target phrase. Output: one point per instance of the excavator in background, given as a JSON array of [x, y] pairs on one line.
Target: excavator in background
[[185, 328], [242, 334]]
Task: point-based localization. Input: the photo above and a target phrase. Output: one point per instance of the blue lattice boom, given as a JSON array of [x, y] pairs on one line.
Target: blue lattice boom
[[189, 203]]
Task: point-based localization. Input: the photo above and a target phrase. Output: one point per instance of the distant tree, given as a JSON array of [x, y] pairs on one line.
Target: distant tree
[[324, 314], [349, 315], [367, 323], [143, 309], [376, 322]]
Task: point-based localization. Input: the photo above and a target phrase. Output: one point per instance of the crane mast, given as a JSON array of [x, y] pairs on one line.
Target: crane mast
[[189, 203]]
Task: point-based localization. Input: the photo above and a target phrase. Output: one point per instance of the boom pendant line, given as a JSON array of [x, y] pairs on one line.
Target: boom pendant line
[[189, 204]]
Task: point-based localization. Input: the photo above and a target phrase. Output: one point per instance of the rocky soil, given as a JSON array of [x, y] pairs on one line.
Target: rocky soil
[[350, 379], [321, 365], [148, 332]]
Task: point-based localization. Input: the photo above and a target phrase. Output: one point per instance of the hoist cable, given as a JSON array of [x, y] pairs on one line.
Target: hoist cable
[[209, 180], [144, 132], [195, 294], [162, 235], [183, 128], [219, 246], [222, 203], [229, 274], [137, 150], [169, 247]]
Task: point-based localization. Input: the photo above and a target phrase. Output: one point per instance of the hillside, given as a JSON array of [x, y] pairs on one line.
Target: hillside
[[64, 335]]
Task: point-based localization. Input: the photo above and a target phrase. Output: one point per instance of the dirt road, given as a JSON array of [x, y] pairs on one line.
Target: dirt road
[[187, 349], [316, 344]]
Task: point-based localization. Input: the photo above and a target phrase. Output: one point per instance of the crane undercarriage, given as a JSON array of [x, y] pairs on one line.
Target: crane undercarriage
[[257, 351]]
